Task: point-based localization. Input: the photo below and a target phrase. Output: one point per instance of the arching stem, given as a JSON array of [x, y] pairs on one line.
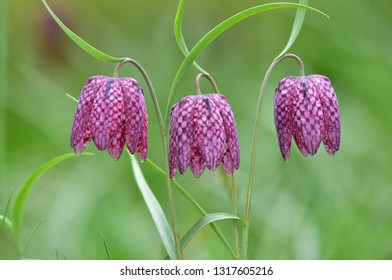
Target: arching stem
[[209, 78], [256, 132]]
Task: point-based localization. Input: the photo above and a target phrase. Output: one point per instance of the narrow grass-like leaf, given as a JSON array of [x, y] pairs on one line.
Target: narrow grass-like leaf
[[6, 210], [80, 42], [6, 222], [20, 199], [218, 232], [180, 37], [216, 31], [208, 219], [155, 210], [71, 97], [297, 25], [57, 253], [106, 247], [200, 224], [31, 237]]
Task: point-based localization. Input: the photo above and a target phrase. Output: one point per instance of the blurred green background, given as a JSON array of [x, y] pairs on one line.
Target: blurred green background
[[317, 207]]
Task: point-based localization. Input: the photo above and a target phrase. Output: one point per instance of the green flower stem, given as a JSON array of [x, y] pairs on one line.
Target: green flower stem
[[256, 132], [165, 149], [196, 205], [209, 78], [234, 212]]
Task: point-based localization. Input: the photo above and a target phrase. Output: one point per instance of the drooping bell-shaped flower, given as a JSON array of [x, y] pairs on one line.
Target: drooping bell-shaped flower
[[203, 134], [111, 112], [307, 109]]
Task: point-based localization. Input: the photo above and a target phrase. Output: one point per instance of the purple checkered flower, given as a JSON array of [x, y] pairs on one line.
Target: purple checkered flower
[[307, 108], [203, 134], [111, 112]]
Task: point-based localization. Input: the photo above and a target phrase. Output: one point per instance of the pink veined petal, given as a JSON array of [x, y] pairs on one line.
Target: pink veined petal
[[209, 131], [107, 113], [133, 104], [231, 157], [84, 140], [84, 107], [184, 132], [172, 141], [116, 146], [283, 114], [142, 146], [330, 107], [308, 126], [197, 163]]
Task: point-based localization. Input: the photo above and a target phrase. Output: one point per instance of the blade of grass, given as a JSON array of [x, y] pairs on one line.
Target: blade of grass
[[218, 232], [71, 97], [31, 237], [6, 210], [106, 247], [155, 209], [297, 25], [80, 42], [204, 221], [180, 37], [20, 199], [218, 30]]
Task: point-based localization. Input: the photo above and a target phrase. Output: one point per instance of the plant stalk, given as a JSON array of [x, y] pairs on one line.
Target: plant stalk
[[256, 133], [234, 212]]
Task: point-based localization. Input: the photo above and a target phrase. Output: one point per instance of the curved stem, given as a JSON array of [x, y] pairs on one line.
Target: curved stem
[[234, 212], [209, 78], [165, 148], [256, 132]]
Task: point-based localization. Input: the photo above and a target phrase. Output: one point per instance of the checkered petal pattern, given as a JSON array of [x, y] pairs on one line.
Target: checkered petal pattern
[[112, 113], [306, 108], [203, 134]]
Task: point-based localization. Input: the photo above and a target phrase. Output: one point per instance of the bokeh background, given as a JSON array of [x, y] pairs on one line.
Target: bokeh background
[[317, 207]]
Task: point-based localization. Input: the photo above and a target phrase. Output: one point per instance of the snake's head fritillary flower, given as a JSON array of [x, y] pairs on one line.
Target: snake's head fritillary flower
[[111, 112], [203, 134], [307, 109]]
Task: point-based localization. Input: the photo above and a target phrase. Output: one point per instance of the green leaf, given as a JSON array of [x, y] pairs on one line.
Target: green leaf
[[20, 199], [31, 237], [218, 30], [155, 209], [210, 218], [297, 25], [106, 247], [180, 37], [6, 212], [80, 42], [218, 232]]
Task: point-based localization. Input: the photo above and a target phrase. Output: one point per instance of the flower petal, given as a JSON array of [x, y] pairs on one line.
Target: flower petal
[[142, 145], [283, 114], [184, 132], [81, 145], [209, 131], [329, 102], [83, 109], [172, 141], [231, 157], [197, 162], [116, 146], [308, 126], [133, 104], [107, 113]]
